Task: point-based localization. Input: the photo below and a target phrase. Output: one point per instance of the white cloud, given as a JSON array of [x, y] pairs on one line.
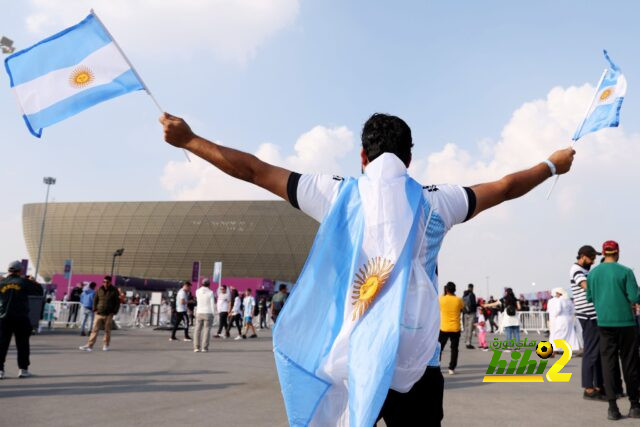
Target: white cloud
[[230, 29], [318, 150]]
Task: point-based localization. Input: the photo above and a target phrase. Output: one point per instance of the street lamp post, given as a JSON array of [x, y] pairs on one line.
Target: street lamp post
[[49, 181], [117, 253]]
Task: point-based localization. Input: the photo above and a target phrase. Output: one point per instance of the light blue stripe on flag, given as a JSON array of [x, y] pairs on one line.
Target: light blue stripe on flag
[[68, 107], [57, 52]]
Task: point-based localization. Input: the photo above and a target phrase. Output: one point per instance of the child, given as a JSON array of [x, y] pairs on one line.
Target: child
[[49, 313], [482, 332]]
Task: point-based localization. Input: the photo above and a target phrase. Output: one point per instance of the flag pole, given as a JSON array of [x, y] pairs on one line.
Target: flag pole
[[135, 72], [584, 120]]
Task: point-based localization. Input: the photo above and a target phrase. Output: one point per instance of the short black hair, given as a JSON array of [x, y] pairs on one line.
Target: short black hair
[[92, 285], [384, 133], [107, 278], [283, 287], [450, 287]]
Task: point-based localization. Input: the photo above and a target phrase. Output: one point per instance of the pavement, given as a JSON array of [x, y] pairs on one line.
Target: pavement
[[147, 380]]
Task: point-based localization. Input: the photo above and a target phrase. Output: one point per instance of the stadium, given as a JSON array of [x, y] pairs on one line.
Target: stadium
[[253, 239]]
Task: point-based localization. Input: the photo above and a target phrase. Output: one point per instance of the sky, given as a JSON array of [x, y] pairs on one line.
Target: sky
[[488, 88]]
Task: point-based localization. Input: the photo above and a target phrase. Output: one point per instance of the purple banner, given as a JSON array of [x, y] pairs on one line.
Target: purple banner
[[25, 265], [195, 274]]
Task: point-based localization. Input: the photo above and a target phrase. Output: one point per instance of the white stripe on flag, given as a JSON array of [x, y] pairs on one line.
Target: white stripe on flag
[[610, 94], [105, 64]]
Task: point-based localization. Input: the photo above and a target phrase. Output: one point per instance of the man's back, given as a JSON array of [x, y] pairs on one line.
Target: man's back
[[612, 288], [450, 308], [205, 300], [14, 295]]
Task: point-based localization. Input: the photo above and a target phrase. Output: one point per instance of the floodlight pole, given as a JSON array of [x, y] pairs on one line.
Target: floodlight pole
[[49, 181], [117, 253]]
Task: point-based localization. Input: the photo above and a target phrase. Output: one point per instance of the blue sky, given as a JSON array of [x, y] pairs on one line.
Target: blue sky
[[457, 72]]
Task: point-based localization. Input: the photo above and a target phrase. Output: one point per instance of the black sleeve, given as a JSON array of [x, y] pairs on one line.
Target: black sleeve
[[292, 189], [471, 196]]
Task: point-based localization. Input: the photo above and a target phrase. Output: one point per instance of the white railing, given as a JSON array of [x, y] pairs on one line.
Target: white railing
[[533, 321], [70, 314]]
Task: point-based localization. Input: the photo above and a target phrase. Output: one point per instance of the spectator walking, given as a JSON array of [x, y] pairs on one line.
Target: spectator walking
[[509, 322], [86, 301], [205, 309], [612, 288], [262, 311], [14, 316], [181, 312], [106, 304], [249, 304], [49, 314], [469, 315], [74, 298], [586, 314], [277, 301], [450, 308], [223, 305], [236, 314]]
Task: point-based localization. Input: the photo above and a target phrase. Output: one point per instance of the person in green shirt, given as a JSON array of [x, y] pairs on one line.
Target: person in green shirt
[[613, 290]]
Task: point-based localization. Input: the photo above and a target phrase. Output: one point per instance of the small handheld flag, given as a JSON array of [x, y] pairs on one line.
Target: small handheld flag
[[604, 110], [69, 72]]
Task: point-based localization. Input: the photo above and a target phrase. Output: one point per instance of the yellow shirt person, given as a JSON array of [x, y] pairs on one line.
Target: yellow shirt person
[[450, 308]]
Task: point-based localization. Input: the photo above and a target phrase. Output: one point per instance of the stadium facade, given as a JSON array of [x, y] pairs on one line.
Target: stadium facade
[[268, 239]]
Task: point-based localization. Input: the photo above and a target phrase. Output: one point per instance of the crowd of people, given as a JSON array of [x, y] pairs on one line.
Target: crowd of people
[[600, 322]]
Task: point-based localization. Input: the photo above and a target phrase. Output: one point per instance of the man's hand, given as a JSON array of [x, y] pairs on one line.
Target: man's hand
[[563, 160], [176, 131]]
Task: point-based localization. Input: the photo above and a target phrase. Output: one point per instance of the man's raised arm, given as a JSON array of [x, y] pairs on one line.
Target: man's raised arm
[[238, 164], [520, 183]]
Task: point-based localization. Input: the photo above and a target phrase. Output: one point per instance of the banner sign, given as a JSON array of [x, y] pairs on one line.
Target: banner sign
[[195, 274]]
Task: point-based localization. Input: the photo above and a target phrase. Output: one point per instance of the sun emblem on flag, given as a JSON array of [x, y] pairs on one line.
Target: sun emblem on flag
[[81, 77], [605, 94], [368, 283]]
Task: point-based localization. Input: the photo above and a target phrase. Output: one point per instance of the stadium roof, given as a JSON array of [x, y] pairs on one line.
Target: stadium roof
[[267, 239]]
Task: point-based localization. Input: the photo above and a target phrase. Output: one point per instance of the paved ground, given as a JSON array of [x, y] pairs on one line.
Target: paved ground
[[148, 381]]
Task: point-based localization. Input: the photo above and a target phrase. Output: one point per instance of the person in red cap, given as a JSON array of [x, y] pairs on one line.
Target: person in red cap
[[613, 289]]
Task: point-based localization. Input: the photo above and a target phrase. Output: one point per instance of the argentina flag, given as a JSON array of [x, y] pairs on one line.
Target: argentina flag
[[363, 317], [69, 72], [605, 109]]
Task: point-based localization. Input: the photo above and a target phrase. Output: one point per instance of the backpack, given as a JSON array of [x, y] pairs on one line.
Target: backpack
[[511, 310], [467, 304]]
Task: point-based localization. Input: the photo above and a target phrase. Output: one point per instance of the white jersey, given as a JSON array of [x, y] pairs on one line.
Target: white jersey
[[249, 303]]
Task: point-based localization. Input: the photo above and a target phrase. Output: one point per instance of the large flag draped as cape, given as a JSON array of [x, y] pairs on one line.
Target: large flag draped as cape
[[325, 341]]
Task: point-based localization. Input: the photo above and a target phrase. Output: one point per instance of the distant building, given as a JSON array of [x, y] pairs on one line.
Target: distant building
[[257, 239]]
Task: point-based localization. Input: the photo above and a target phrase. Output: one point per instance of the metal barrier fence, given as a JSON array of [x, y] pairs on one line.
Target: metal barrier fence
[[531, 321], [70, 315]]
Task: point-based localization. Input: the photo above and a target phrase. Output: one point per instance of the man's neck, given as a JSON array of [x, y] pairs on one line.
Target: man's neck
[[609, 259]]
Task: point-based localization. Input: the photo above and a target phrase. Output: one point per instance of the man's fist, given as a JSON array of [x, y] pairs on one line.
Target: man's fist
[[176, 131], [563, 160]]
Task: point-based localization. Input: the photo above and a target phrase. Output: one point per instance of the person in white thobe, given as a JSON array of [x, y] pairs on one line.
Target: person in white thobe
[[560, 309]]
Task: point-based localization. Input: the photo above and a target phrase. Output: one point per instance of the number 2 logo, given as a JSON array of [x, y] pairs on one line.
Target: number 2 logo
[[554, 374]]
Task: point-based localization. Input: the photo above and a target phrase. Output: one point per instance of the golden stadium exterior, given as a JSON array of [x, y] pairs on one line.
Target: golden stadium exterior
[[267, 239]]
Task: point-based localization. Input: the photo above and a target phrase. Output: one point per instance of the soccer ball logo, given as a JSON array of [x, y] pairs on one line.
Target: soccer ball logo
[[544, 349]]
